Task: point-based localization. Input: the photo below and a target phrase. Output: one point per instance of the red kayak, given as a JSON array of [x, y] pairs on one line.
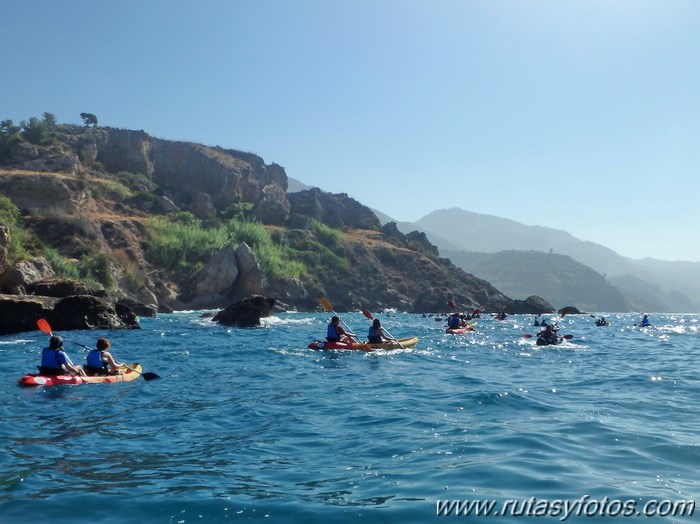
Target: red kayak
[[35, 379]]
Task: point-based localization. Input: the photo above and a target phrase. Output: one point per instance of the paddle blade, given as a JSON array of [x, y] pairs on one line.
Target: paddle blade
[[325, 304], [564, 312], [451, 304], [149, 376], [568, 337], [44, 326], [526, 335], [367, 314]]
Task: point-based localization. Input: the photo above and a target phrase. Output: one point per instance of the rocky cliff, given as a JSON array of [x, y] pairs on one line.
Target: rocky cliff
[[92, 194]]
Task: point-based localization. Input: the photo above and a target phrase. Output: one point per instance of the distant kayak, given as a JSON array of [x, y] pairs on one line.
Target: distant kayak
[[36, 379], [407, 342]]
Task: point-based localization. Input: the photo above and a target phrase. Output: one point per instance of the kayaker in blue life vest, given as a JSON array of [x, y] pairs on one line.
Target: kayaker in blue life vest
[[454, 321], [54, 360], [377, 335], [645, 321], [100, 361], [336, 333]]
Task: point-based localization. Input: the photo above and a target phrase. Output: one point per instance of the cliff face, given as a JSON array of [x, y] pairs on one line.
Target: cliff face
[[73, 198], [185, 170]]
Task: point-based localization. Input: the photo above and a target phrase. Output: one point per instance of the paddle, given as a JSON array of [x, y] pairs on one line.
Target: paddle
[[326, 304], [46, 328], [369, 316]]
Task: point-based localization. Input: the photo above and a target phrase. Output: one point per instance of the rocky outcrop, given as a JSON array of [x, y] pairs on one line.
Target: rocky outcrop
[[246, 312], [44, 193], [272, 208], [336, 211], [249, 280], [185, 170], [533, 305], [58, 288], [569, 310], [25, 273], [19, 314], [88, 312]]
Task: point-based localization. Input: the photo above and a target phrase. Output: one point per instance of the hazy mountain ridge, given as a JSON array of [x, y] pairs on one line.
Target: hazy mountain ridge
[[648, 284]]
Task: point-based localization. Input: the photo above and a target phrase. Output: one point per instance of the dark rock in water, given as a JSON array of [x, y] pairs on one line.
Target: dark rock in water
[[246, 312], [569, 310], [88, 312], [20, 313], [139, 308], [533, 305]]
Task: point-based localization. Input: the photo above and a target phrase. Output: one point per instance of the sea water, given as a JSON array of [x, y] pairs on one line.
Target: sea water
[[250, 425]]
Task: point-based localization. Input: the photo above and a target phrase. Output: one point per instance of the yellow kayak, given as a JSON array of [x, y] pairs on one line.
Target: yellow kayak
[[407, 342]]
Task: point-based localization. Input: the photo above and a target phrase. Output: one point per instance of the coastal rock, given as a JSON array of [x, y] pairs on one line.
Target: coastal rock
[[59, 288], [569, 310], [19, 314], [219, 274], [24, 273], [272, 208], [246, 312], [334, 210], [532, 305], [88, 312], [249, 280]]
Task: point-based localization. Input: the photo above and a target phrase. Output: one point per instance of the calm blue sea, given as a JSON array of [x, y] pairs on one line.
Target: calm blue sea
[[249, 425]]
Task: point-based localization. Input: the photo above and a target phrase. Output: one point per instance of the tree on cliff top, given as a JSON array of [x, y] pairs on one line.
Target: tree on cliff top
[[89, 119]]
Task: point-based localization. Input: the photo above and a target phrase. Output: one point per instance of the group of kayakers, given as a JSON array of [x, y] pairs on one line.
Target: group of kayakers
[[99, 361], [375, 334]]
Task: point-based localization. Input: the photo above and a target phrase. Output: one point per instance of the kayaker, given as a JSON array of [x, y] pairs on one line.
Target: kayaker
[[645, 321], [377, 335], [549, 335], [100, 361], [55, 361], [454, 322], [336, 333]]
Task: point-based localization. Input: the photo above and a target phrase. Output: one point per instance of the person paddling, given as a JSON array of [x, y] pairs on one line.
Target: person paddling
[[376, 334], [55, 361], [336, 333], [100, 361], [645, 321]]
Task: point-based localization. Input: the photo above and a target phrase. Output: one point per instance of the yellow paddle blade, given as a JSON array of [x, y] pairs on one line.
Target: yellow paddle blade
[[325, 304]]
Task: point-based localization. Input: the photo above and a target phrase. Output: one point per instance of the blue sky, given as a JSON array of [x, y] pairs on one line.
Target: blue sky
[[576, 115]]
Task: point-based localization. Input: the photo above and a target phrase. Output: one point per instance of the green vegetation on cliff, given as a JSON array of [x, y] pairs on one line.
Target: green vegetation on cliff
[[180, 244]]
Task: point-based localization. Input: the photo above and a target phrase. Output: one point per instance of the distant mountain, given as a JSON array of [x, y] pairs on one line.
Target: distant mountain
[[649, 284], [294, 185], [558, 279]]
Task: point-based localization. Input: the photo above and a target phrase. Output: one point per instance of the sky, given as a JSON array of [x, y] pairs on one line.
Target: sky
[[580, 115]]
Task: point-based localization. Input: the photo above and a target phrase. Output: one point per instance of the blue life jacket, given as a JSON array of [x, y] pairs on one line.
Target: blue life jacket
[[332, 334], [454, 322], [374, 335], [53, 359], [94, 359]]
